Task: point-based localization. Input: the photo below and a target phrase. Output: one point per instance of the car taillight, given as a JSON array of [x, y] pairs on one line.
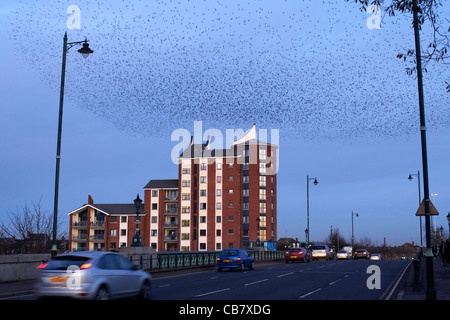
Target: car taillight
[[85, 266], [238, 259], [42, 265]]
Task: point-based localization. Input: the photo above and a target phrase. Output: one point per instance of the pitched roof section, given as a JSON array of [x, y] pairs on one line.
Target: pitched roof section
[[162, 184], [112, 209]]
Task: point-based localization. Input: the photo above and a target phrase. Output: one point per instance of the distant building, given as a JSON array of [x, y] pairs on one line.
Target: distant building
[[222, 198]]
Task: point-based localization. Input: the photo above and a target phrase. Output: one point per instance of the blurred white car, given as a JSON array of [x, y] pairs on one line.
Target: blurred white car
[[342, 254], [375, 256], [92, 275]]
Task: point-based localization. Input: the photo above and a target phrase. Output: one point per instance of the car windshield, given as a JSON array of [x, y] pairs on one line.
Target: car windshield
[[63, 262], [295, 250], [319, 248], [342, 251], [229, 253]]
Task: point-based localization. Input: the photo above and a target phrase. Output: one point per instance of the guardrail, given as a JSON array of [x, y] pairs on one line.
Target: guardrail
[[181, 259]]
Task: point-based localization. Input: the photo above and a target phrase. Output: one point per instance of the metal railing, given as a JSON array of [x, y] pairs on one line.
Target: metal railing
[[190, 259]]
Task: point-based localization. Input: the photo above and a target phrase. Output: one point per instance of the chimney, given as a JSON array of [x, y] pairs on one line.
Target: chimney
[[90, 200]]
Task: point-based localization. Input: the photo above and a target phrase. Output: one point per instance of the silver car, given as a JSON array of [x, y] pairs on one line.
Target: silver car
[[92, 275]]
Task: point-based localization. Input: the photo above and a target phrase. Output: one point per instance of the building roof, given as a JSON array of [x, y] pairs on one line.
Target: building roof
[[162, 184], [112, 209]]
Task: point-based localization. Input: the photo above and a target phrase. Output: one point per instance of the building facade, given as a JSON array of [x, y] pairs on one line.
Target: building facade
[[222, 198]]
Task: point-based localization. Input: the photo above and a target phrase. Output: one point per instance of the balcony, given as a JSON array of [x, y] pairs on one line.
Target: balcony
[[171, 199], [79, 224], [171, 225], [97, 237], [97, 224], [81, 237], [171, 212], [171, 238]]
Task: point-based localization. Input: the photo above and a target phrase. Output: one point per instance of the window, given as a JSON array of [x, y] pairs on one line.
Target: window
[[185, 209], [262, 207], [123, 219], [202, 233], [218, 233], [245, 193], [202, 206], [154, 206], [219, 179], [230, 218], [262, 168], [230, 165], [154, 219], [230, 178], [262, 194], [262, 221], [262, 181], [202, 219], [219, 166], [203, 193], [185, 223], [230, 231], [219, 192], [185, 236], [186, 170], [219, 205], [219, 219], [154, 193], [202, 246], [218, 246], [185, 196], [113, 232], [230, 191], [203, 166], [230, 205], [154, 232], [113, 219], [245, 179], [203, 179], [185, 183], [245, 206], [123, 232]]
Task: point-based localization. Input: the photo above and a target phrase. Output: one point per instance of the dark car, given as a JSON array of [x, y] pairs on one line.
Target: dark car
[[234, 259], [361, 254], [297, 254]]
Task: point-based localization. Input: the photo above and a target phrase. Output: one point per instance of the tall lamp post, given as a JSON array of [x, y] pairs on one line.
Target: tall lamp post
[[431, 291], [307, 206], [85, 51], [137, 239], [448, 219], [353, 234], [420, 200]]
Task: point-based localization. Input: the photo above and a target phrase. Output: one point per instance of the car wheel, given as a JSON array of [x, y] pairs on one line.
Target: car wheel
[[146, 291], [242, 267], [102, 294]]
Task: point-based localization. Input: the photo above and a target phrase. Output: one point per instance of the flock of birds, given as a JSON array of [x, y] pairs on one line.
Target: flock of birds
[[311, 68]]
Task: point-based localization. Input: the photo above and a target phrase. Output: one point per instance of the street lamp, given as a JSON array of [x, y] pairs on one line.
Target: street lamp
[[258, 220], [137, 240], [85, 51], [353, 235], [420, 200], [307, 205]]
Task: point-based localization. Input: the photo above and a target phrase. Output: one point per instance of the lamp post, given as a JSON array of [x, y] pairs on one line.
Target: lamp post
[[420, 200], [353, 234], [85, 51], [448, 219], [307, 205], [137, 239], [430, 291], [258, 220]]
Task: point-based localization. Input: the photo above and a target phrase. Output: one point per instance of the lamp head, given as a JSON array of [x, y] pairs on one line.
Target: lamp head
[[137, 202], [85, 51], [315, 181], [410, 177]]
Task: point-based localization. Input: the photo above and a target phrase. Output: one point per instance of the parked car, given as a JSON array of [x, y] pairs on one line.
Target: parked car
[[375, 256], [342, 254], [92, 275], [321, 251], [297, 254], [234, 259], [361, 254]]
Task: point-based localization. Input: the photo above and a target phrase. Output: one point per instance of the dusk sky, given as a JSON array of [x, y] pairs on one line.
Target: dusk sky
[[313, 71]]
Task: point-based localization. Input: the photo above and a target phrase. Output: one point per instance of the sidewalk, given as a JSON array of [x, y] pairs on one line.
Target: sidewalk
[[16, 288], [410, 291]]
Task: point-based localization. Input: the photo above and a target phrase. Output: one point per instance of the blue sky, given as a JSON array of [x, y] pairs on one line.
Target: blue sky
[[345, 109]]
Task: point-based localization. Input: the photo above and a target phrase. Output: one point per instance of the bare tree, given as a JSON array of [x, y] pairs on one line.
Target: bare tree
[[30, 226]]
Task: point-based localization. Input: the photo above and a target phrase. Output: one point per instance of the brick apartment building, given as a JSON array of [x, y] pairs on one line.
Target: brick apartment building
[[222, 198]]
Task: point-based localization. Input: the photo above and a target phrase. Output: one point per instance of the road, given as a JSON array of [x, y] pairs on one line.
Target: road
[[318, 280]]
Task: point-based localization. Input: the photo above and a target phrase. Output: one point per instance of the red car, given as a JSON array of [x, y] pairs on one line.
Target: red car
[[297, 254]]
